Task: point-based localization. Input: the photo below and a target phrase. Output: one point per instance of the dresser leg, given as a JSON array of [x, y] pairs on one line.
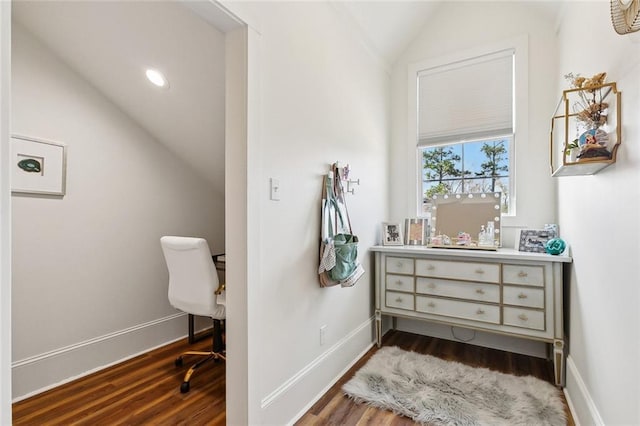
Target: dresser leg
[[558, 362], [378, 328]]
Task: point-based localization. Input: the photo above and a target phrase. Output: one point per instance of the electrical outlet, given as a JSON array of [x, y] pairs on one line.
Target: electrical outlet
[[323, 334]]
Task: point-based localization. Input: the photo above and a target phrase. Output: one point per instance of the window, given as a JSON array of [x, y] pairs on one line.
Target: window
[[465, 113], [479, 166]]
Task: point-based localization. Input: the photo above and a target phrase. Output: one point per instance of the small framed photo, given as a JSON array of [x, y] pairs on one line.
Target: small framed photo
[[38, 166], [553, 228], [534, 240], [415, 232], [391, 234]]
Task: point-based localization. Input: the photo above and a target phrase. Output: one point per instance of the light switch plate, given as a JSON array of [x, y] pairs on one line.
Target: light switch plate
[[275, 189]]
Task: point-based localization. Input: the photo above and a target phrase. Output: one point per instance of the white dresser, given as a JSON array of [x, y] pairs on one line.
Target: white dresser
[[504, 291]]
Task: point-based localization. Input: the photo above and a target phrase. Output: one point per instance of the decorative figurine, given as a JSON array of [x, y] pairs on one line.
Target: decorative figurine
[[555, 246], [464, 239]]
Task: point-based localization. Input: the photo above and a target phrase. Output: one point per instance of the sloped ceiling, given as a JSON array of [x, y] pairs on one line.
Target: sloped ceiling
[[111, 44], [389, 26]]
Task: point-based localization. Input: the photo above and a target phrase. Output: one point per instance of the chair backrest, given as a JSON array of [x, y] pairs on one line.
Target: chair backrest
[[193, 278]]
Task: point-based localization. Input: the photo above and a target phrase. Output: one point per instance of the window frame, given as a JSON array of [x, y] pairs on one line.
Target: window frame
[[520, 118]]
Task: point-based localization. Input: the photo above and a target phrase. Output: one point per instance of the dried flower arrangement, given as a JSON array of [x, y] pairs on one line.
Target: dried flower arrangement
[[591, 112]]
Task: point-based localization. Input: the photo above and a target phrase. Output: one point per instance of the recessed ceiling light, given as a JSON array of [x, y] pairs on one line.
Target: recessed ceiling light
[[157, 78]]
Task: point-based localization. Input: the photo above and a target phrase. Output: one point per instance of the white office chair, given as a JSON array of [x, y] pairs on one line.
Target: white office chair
[[194, 289]]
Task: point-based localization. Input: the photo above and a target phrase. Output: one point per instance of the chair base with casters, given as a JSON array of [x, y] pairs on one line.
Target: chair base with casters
[[216, 354]]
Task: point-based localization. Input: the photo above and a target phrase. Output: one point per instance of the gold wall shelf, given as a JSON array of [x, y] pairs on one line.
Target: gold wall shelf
[[567, 120]]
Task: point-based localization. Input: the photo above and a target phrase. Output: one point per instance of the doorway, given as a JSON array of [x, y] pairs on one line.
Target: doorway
[[6, 347]]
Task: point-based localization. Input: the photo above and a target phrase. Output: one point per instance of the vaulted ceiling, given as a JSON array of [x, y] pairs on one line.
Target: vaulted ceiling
[[389, 26], [110, 44]]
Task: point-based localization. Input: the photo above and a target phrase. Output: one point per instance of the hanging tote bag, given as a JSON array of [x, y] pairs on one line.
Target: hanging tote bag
[[327, 249], [338, 251], [346, 253]]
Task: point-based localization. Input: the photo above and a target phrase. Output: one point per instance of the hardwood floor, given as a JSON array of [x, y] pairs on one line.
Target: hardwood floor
[[145, 390], [142, 391]]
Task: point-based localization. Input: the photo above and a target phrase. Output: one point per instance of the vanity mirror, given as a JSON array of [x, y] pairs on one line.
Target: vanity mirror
[[468, 221]]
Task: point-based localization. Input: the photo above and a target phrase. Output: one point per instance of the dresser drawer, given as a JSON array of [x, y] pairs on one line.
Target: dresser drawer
[[525, 275], [458, 309], [399, 265], [399, 300], [400, 283], [525, 318], [458, 289], [522, 296], [485, 272]]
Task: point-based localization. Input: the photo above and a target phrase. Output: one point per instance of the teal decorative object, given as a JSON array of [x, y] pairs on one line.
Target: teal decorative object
[[555, 246]]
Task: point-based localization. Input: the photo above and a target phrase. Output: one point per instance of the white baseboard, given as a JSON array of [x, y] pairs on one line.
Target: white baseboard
[[36, 374], [581, 405], [293, 398]]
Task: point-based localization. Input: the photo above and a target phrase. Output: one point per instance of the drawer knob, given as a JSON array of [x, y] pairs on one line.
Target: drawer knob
[[522, 274], [399, 300], [399, 282], [399, 265], [479, 271], [431, 305], [523, 317], [431, 285], [480, 312], [480, 291], [430, 268], [522, 296]]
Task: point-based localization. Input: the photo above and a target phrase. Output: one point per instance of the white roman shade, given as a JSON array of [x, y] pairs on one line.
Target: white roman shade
[[466, 100]]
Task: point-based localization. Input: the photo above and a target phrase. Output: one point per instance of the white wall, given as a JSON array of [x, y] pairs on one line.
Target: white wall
[[598, 215], [323, 99], [461, 26], [89, 279], [5, 215], [242, 395]]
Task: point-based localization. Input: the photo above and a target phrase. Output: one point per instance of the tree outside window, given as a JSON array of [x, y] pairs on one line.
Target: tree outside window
[[479, 166]]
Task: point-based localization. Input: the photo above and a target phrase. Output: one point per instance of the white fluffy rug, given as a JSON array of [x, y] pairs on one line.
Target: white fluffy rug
[[430, 390]]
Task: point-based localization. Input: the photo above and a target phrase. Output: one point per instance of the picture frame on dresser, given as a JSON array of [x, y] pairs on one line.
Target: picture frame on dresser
[[415, 232], [391, 234], [534, 240]]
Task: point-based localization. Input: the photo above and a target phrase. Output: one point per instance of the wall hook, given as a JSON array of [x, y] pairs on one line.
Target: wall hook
[[350, 188], [343, 172]]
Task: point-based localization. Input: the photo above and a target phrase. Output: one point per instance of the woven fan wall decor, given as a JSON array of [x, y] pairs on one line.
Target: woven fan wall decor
[[625, 16]]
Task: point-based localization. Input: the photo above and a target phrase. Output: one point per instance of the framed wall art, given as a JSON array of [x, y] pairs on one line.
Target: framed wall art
[[38, 166], [534, 240], [391, 234]]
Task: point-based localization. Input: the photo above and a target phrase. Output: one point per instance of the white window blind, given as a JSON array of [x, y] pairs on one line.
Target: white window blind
[[466, 100]]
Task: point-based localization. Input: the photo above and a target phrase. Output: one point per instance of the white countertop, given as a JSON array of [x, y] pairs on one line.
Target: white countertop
[[501, 253]]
